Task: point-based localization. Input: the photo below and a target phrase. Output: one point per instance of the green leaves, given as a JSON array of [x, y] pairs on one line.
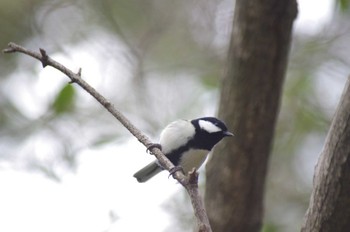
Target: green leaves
[[343, 5], [64, 101]]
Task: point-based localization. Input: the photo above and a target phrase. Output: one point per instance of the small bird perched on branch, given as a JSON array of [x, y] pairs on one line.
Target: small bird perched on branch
[[186, 144]]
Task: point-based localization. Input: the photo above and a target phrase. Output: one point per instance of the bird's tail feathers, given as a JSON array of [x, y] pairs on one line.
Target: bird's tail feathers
[[148, 172]]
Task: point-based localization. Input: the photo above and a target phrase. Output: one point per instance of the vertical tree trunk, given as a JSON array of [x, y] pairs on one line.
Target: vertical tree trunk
[[250, 98], [329, 208]]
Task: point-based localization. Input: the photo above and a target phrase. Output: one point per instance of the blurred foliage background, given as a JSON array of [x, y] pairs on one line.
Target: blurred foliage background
[[157, 61]]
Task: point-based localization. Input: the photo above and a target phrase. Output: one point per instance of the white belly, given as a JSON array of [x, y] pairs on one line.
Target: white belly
[[193, 159]]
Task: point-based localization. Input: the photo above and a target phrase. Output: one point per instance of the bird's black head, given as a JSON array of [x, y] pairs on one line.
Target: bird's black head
[[209, 131]]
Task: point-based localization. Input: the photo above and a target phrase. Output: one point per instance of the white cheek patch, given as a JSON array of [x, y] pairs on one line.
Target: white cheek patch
[[208, 126]]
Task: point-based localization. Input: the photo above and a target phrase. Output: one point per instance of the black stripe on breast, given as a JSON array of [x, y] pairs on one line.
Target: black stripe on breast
[[175, 155]]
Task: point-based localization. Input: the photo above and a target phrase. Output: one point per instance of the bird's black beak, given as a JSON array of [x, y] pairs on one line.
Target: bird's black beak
[[227, 133]]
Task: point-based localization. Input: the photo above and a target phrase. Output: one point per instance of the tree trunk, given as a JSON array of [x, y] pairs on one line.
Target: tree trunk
[[329, 208], [250, 98]]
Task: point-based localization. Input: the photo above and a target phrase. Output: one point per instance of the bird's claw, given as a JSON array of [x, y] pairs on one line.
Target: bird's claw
[[175, 169], [153, 145]]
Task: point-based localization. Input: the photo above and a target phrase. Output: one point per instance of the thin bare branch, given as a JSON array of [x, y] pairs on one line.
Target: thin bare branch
[[190, 183]]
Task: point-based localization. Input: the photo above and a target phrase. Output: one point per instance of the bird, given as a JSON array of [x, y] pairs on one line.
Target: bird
[[186, 143]]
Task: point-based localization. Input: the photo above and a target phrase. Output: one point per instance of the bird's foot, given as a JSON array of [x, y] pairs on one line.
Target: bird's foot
[[175, 169], [153, 145]]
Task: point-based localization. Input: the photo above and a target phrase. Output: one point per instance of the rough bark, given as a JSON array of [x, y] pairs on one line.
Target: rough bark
[[250, 98], [329, 208]]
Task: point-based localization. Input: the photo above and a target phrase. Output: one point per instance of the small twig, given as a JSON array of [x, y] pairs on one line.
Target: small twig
[[44, 57], [190, 183], [197, 203]]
